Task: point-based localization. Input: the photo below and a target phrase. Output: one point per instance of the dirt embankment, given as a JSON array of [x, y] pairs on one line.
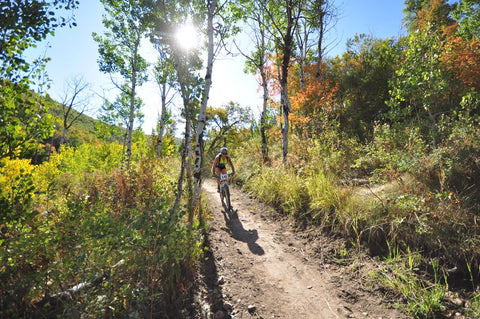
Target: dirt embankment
[[259, 268]]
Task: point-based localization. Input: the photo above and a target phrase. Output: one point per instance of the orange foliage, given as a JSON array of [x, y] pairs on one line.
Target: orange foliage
[[306, 105], [435, 13], [318, 97], [462, 57], [271, 73]]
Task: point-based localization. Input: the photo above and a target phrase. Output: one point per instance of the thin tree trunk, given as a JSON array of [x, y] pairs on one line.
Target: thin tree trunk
[[433, 127], [263, 76], [284, 101], [184, 163], [263, 117], [161, 125], [131, 116], [302, 43], [72, 293], [64, 136], [321, 17], [199, 147], [124, 147], [285, 128], [187, 106]]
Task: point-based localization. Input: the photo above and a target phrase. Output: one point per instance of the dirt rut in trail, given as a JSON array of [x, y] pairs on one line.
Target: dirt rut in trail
[[259, 268]]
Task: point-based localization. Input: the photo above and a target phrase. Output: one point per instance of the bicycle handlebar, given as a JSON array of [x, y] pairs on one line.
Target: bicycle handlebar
[[229, 175]]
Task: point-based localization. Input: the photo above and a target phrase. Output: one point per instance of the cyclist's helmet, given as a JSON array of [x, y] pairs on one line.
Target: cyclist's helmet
[[224, 150]]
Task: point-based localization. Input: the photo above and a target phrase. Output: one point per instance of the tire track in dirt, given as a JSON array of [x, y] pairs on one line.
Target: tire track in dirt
[[261, 269]]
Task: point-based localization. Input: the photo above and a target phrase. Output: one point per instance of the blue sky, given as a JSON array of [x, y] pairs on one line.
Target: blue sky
[[74, 53], [381, 18]]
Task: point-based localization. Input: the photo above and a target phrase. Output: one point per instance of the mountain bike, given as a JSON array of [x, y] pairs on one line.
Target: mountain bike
[[225, 191]]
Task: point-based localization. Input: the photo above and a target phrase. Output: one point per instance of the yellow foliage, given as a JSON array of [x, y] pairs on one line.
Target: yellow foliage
[[46, 172], [11, 172]]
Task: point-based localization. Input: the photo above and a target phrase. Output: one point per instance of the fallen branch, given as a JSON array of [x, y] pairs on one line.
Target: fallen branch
[[73, 292]]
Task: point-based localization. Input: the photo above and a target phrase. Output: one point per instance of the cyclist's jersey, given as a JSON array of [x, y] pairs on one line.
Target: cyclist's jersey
[[222, 160]]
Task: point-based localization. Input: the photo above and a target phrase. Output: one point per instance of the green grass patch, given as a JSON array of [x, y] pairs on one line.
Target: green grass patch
[[420, 298]]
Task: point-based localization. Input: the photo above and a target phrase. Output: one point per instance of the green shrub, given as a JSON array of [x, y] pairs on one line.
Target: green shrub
[[393, 150], [73, 221]]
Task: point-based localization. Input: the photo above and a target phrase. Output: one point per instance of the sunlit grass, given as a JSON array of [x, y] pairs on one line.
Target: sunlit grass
[[420, 298], [473, 308], [401, 211]]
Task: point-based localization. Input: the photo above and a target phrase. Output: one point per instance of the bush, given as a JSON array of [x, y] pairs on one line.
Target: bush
[[394, 150], [108, 231]]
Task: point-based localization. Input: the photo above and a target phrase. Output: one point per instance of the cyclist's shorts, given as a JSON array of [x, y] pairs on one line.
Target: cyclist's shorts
[[221, 166]]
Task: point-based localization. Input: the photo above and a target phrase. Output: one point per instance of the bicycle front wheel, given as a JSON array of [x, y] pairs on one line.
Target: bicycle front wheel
[[227, 198]]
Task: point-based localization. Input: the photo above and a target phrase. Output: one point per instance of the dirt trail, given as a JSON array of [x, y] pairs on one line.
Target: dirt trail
[[259, 268]]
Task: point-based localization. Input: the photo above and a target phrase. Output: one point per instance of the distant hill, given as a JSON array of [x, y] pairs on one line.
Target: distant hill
[[85, 129]]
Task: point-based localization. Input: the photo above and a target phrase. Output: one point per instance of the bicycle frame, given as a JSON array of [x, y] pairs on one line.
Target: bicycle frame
[[225, 191], [224, 180]]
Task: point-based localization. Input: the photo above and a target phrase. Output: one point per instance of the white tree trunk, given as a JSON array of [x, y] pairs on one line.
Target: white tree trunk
[[131, 116], [197, 171]]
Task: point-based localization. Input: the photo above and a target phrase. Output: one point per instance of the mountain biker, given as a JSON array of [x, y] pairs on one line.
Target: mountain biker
[[219, 165]]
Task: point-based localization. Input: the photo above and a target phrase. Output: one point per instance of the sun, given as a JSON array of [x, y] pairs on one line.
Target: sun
[[187, 36]]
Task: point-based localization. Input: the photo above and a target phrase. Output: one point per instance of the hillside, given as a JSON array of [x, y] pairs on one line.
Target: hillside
[[82, 127]]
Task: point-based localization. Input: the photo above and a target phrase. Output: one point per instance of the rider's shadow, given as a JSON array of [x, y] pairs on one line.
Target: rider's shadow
[[236, 230]]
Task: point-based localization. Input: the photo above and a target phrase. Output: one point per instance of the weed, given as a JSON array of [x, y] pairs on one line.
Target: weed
[[472, 310], [423, 299]]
